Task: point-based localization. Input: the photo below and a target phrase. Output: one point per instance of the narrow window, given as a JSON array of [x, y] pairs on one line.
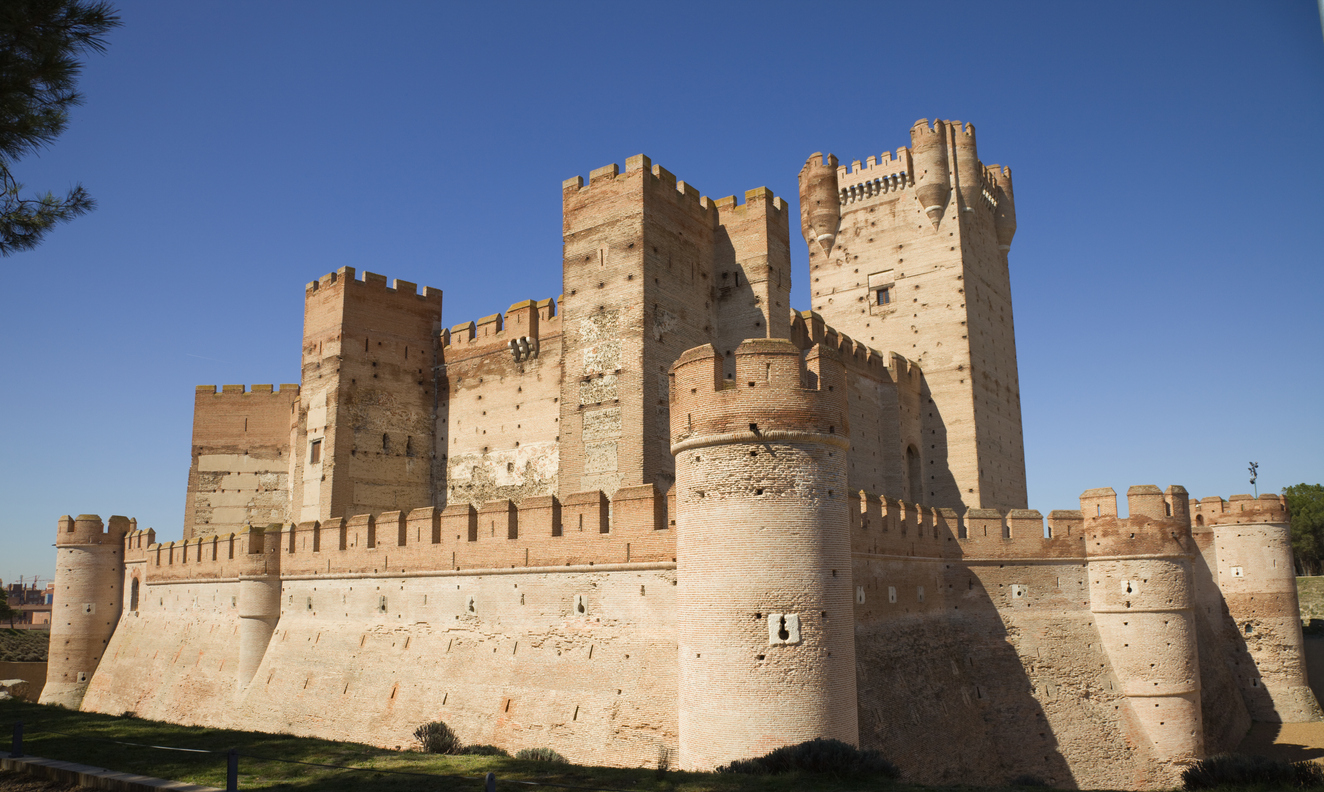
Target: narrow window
[[133, 596], [409, 446], [885, 295], [386, 443], [315, 452]]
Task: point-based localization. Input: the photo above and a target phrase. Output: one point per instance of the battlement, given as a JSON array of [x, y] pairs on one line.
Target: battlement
[[88, 529], [652, 177], [886, 526], [529, 321], [286, 389], [1239, 509], [776, 394], [759, 197], [808, 329], [346, 277], [876, 176], [584, 528]]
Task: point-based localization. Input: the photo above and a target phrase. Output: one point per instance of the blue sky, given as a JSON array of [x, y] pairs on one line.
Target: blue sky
[[1167, 271]]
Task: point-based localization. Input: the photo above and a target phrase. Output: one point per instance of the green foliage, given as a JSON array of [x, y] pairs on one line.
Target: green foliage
[[437, 738], [1306, 504], [40, 43], [820, 756], [7, 612], [541, 755], [23, 646], [1237, 770], [482, 750]]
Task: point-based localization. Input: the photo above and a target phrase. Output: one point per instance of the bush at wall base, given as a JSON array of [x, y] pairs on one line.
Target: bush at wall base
[[829, 757]]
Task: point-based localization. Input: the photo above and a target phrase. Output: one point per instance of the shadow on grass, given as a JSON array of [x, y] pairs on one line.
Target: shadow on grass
[[85, 738]]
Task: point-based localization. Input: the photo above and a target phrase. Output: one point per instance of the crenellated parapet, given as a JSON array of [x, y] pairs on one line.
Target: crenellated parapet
[[345, 278], [808, 330], [519, 332], [1239, 509], [656, 180]]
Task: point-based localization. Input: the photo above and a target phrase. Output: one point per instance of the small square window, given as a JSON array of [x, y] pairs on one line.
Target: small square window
[[315, 452]]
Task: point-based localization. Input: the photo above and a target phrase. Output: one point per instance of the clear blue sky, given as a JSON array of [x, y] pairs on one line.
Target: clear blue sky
[[1168, 158]]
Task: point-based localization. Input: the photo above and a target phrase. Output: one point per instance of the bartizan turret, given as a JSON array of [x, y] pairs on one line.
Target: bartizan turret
[[1142, 595], [969, 171], [89, 595], [1004, 216], [820, 201], [933, 185], [764, 605]]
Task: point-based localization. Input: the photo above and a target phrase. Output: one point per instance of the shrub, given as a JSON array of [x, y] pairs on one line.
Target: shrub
[[1239, 770], [437, 738], [541, 755], [830, 757], [483, 750]]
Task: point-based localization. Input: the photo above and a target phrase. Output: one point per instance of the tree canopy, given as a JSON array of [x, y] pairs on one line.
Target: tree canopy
[[1306, 504], [40, 45]]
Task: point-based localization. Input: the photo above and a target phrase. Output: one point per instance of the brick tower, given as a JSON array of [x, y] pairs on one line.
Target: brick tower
[[764, 611], [89, 595], [909, 255], [362, 440], [651, 269]]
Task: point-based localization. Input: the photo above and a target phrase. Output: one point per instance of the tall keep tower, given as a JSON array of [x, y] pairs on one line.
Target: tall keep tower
[[362, 439], [765, 626], [89, 595], [909, 254], [651, 269]]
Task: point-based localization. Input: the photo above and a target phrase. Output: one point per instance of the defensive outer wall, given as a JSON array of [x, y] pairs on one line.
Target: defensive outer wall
[[664, 517]]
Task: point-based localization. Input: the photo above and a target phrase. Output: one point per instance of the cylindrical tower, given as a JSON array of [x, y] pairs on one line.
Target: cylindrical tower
[[764, 606], [1251, 563], [1004, 221], [89, 595], [820, 203], [259, 602], [933, 184], [968, 170], [1142, 596]]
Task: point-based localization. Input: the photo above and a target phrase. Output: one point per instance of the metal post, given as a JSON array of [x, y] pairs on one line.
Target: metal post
[[232, 771], [16, 750], [489, 783]]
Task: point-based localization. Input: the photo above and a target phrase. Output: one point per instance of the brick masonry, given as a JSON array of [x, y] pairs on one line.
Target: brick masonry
[[664, 518]]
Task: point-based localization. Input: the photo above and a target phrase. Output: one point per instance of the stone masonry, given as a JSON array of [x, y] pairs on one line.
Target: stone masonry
[[663, 517]]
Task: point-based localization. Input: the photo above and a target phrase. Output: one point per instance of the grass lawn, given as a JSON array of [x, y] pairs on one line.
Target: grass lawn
[[209, 769]]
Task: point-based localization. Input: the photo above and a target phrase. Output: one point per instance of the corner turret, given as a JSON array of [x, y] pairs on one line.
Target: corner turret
[[820, 205], [932, 178], [89, 584]]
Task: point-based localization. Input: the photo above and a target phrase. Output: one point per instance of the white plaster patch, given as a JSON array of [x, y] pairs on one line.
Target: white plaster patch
[[602, 424], [600, 457], [598, 389]]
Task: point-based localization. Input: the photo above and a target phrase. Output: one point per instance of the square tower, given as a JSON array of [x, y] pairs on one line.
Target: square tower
[[909, 255], [651, 269], [362, 441]]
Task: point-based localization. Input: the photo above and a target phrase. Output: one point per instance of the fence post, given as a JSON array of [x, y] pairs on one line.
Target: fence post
[[232, 771], [489, 783], [16, 750]]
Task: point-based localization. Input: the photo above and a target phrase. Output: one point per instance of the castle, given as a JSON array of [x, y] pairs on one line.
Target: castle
[[666, 518]]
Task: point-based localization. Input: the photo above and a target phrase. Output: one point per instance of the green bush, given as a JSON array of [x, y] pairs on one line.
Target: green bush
[[541, 755], [829, 757], [483, 750], [1238, 770], [437, 738]]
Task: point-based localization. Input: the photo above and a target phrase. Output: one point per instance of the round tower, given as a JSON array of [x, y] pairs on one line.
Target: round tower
[[764, 607], [259, 601], [933, 185], [1004, 221], [1142, 597], [968, 170], [820, 203], [89, 595], [1250, 561]]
